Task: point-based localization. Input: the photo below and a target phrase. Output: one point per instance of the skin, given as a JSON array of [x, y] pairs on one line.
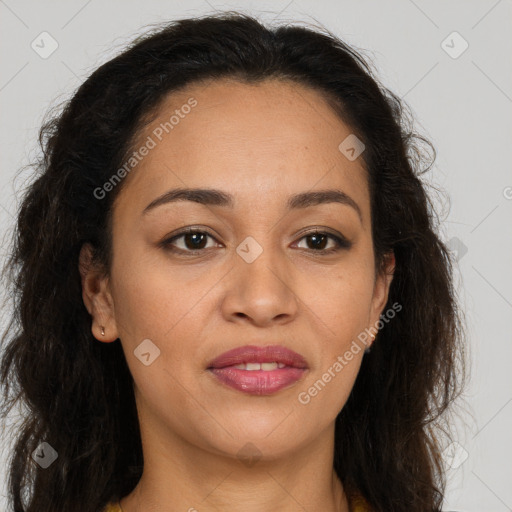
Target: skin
[[260, 143]]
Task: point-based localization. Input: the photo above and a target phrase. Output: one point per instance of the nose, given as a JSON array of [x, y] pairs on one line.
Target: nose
[[261, 292]]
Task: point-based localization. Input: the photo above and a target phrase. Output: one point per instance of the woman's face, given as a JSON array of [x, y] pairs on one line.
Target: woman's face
[[254, 274]]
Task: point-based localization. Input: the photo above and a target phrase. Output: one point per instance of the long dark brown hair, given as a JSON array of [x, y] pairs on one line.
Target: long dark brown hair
[[77, 393]]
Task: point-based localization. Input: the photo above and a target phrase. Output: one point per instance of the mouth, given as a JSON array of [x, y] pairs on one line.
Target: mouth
[[258, 370]]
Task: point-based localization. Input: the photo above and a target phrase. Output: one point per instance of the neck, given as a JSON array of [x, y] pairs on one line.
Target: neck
[[181, 476]]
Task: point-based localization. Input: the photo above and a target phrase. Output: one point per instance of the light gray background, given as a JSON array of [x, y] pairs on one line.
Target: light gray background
[[463, 105]]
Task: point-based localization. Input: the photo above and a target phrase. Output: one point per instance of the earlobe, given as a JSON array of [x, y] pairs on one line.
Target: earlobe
[[96, 297], [103, 322]]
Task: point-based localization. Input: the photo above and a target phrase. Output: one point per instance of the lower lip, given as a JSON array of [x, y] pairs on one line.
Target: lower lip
[[258, 382]]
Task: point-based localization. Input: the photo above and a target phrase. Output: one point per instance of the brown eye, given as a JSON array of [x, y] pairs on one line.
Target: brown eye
[[318, 240], [195, 241], [191, 241]]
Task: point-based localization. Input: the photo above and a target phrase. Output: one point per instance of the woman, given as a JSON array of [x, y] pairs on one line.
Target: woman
[[229, 290]]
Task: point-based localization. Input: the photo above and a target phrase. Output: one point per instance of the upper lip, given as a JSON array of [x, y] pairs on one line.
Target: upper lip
[[255, 354]]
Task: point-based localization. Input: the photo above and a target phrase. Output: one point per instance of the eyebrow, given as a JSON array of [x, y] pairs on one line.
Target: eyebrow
[[214, 197]]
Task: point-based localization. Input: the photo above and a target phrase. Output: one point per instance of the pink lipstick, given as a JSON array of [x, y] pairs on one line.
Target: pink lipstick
[[259, 370]]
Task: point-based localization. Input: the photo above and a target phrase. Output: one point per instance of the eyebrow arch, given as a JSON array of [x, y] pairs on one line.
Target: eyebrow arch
[[214, 197]]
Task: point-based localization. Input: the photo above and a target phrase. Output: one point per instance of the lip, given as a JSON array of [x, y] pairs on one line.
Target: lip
[[255, 354], [258, 382]]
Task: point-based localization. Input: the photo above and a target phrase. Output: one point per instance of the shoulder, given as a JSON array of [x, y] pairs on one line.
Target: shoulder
[[112, 507], [359, 504]]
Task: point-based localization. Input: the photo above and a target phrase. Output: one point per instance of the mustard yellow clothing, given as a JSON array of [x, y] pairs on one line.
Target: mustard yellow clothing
[[113, 507], [358, 504]]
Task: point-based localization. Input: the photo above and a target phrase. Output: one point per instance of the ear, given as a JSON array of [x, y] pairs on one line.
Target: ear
[[96, 296], [381, 288]]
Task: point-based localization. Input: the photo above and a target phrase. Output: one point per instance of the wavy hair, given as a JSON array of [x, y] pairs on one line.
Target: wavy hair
[[78, 393]]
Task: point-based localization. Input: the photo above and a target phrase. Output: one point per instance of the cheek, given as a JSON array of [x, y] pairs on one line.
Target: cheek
[[341, 302], [150, 297], [341, 312], [170, 307], [323, 396], [168, 313]]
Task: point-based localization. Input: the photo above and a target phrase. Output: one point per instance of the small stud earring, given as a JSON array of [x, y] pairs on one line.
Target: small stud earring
[[367, 349], [102, 331]]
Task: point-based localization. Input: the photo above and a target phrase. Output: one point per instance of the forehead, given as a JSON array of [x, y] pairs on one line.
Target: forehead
[[267, 140]]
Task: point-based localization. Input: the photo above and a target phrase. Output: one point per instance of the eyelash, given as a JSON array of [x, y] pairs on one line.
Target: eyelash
[[341, 242]]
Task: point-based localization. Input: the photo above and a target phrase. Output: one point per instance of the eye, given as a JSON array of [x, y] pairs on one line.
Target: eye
[[319, 239], [193, 241]]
